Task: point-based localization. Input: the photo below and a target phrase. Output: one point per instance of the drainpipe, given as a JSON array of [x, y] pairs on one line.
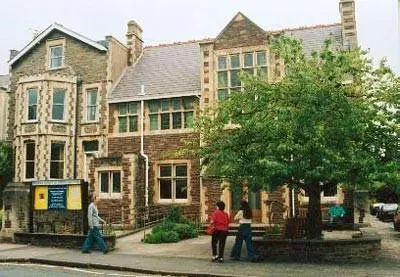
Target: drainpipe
[[76, 124], [146, 193]]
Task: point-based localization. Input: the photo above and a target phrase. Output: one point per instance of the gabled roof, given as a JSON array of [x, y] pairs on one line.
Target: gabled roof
[[61, 28], [4, 81], [239, 17], [165, 71]]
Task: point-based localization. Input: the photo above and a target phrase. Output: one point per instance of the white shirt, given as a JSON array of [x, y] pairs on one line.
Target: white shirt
[[239, 217]]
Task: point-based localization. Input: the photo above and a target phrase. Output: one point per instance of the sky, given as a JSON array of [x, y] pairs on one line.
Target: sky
[[167, 21]]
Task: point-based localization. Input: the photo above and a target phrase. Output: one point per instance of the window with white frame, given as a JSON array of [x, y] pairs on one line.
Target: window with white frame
[[32, 99], [109, 183], [172, 113], [128, 117], [173, 182], [56, 56], [91, 104], [29, 160], [57, 157], [230, 66], [58, 112]]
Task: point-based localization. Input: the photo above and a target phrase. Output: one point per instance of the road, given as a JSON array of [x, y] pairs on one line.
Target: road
[[30, 270]]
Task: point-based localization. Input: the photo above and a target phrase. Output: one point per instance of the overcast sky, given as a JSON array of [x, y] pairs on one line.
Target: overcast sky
[[166, 21]]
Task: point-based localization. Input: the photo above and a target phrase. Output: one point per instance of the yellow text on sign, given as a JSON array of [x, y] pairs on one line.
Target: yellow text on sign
[[41, 197]]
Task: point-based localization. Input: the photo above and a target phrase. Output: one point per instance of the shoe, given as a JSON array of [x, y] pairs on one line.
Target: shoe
[[214, 259], [86, 252], [105, 251], [220, 260]]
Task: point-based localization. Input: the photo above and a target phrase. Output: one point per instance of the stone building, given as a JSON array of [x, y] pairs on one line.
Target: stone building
[[159, 93], [4, 83], [116, 114]]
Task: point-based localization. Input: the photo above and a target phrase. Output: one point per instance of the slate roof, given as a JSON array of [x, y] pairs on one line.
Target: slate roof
[[4, 81], [165, 71], [313, 38], [174, 70]]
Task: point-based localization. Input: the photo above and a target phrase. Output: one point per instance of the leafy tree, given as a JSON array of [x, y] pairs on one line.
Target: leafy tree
[[5, 166], [331, 119]]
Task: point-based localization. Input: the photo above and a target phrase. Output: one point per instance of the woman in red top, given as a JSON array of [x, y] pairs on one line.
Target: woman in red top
[[220, 221]]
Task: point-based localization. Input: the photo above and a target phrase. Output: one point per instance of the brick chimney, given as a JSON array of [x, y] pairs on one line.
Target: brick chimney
[[349, 30], [134, 41]]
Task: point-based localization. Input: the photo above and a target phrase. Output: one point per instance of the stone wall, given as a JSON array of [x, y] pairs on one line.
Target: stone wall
[[159, 149], [343, 250], [84, 67]]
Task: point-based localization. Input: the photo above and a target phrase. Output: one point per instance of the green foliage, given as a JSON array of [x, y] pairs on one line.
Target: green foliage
[[174, 215], [5, 166], [186, 231], [331, 119], [173, 228]]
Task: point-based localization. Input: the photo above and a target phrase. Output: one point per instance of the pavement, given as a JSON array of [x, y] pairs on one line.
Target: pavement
[[193, 258]]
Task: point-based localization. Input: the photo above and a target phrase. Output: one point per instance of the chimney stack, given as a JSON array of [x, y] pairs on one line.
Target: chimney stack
[[349, 30], [134, 41], [13, 53]]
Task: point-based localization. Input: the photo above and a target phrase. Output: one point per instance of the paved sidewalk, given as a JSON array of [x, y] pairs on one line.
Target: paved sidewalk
[[192, 258]]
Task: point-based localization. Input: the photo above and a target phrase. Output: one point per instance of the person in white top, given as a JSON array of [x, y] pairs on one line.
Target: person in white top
[[244, 217], [94, 228]]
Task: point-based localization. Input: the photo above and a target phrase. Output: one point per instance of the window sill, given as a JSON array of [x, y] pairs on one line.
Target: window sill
[[90, 122], [59, 122], [30, 122], [56, 68]]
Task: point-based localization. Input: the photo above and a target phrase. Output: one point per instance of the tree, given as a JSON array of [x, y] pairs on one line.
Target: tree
[[331, 119], [5, 166]]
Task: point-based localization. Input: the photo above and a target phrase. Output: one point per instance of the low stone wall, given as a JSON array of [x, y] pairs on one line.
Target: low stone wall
[[341, 250], [58, 240]]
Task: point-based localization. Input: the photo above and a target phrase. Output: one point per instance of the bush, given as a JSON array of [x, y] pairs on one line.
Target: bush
[[186, 231], [173, 229], [170, 236], [174, 215]]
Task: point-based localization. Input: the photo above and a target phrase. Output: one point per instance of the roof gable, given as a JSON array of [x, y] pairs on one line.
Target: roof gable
[[239, 32], [45, 33]]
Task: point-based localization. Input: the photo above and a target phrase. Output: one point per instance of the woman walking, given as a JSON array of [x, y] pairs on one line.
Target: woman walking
[[220, 221], [244, 217]]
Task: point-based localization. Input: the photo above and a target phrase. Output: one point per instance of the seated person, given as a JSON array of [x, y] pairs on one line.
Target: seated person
[[335, 214]]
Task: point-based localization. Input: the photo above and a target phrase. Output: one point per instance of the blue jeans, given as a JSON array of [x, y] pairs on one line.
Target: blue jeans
[[94, 235], [244, 233]]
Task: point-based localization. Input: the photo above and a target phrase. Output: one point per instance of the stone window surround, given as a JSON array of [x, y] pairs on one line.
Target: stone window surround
[[129, 115], [25, 100], [27, 141], [65, 114], [52, 43], [241, 52], [85, 90], [109, 195], [58, 140], [146, 122], [156, 189], [68, 95]]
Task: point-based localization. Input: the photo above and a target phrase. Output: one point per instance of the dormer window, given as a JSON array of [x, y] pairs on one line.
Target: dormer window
[[56, 56]]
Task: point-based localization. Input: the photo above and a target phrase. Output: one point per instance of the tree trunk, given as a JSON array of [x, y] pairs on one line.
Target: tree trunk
[[314, 219]]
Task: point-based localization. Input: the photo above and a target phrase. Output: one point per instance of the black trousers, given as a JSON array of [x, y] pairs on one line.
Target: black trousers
[[218, 237]]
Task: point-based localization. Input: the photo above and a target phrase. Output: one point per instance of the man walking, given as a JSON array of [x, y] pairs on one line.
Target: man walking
[[94, 231]]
